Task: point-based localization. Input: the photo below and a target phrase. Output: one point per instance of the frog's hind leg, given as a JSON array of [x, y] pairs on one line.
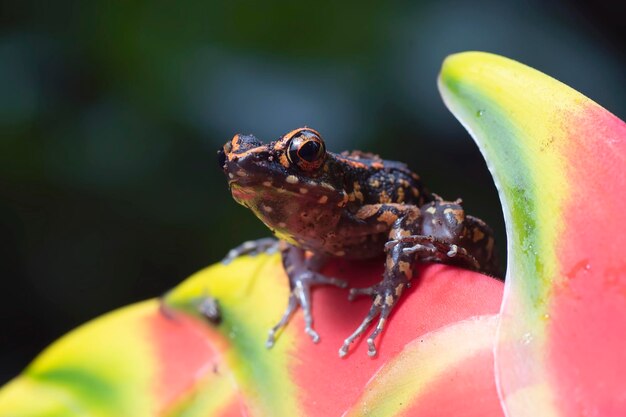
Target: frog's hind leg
[[398, 273], [252, 248], [303, 274]]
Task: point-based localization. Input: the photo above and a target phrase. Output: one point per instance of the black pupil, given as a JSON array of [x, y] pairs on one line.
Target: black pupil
[[309, 151]]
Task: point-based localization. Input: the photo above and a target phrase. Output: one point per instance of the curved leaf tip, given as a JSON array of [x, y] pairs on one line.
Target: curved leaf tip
[[558, 160]]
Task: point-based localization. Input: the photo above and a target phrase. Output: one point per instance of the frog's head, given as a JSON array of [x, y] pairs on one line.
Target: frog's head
[[287, 183]]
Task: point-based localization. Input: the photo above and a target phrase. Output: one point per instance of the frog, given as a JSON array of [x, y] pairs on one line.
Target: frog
[[321, 205]]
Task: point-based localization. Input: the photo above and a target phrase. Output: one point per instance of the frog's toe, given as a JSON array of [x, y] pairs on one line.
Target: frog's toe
[[371, 348], [358, 292], [391, 244], [302, 291], [419, 249], [315, 337], [291, 307], [316, 278], [374, 311], [301, 297], [371, 340], [384, 299], [267, 245]]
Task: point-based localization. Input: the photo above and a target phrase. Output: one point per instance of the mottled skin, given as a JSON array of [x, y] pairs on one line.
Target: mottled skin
[[351, 205]]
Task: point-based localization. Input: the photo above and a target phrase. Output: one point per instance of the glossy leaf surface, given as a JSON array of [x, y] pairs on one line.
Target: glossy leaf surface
[[154, 360], [133, 362], [559, 162], [448, 372], [298, 377]]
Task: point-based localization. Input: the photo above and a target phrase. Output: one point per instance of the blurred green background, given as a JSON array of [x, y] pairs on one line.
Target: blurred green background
[[111, 114]]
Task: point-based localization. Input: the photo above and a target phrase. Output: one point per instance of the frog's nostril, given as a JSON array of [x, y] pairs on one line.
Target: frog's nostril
[[221, 157]]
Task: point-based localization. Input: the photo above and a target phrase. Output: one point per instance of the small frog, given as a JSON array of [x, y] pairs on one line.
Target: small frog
[[352, 205]]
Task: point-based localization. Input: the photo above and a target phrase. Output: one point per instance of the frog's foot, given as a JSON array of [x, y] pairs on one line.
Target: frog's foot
[[440, 200], [385, 295], [252, 247], [301, 283], [428, 248]]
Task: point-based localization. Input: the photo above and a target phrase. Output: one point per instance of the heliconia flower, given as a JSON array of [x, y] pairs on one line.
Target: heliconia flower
[[133, 362], [297, 377], [559, 162], [168, 360]]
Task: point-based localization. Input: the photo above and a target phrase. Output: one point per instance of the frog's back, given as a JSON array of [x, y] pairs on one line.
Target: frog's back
[[373, 180]]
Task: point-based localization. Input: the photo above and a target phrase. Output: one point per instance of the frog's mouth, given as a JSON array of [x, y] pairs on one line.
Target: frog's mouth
[[251, 195], [241, 194]]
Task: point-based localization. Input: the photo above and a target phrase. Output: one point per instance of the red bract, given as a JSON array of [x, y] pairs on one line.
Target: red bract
[[141, 361], [559, 161]]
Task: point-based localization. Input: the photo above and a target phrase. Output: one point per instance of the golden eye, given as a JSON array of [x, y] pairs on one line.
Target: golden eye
[[306, 150]]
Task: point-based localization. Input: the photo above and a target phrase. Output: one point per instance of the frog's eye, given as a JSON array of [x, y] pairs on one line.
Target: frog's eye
[[306, 150]]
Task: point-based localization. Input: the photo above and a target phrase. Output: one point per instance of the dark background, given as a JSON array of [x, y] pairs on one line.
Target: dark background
[[111, 114]]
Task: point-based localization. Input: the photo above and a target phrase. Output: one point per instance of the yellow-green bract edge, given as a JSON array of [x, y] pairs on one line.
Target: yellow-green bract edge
[[518, 116]]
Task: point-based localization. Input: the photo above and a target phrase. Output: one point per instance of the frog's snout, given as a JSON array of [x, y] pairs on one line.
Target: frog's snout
[[221, 158], [239, 158], [237, 146]]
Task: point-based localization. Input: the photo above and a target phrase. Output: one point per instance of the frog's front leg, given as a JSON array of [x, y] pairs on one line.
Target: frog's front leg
[[399, 267], [303, 274], [267, 245], [385, 295], [431, 249]]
